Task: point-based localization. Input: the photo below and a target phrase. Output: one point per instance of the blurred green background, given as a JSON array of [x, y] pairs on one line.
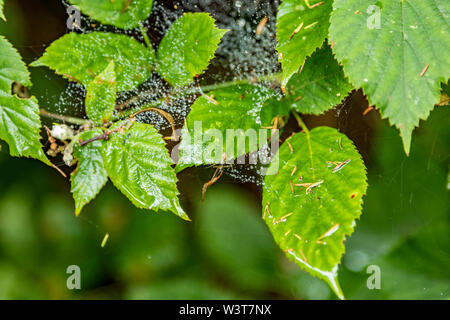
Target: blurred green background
[[226, 252]]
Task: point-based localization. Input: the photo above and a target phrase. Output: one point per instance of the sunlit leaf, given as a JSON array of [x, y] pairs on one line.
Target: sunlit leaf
[[101, 95], [81, 57], [398, 63], [90, 175], [320, 86], [123, 14], [187, 48], [139, 165], [302, 27], [312, 202], [221, 118]]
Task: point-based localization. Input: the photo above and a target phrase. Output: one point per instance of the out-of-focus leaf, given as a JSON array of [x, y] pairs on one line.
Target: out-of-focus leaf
[[90, 175], [401, 62], [101, 95], [187, 48], [150, 246], [17, 285], [410, 263], [180, 289], [81, 57], [223, 118], [236, 240], [301, 29], [417, 268], [312, 202], [17, 230], [123, 14], [319, 86], [138, 163], [407, 200], [2, 16]]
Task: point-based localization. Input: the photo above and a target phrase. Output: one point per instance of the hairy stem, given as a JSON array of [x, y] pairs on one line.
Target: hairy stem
[[145, 35], [300, 122]]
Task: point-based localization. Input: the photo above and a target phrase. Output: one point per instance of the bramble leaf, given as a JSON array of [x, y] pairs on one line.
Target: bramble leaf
[[123, 14], [301, 29], [187, 48], [101, 95], [20, 126], [399, 63], [320, 86], [311, 204], [12, 68], [19, 118], [221, 118], [81, 57], [90, 175], [139, 165]]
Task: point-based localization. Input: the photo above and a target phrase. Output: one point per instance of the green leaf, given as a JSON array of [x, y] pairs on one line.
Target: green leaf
[[2, 16], [401, 64], [90, 175], [233, 109], [300, 30], [81, 57], [12, 68], [123, 14], [320, 86], [19, 118], [20, 126], [187, 48], [311, 224], [101, 95], [272, 108], [139, 165]]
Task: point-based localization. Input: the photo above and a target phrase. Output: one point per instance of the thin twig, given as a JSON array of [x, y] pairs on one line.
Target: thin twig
[[165, 114], [68, 119], [216, 176], [104, 136], [59, 170]]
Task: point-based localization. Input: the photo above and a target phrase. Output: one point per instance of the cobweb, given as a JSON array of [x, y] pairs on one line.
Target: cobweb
[[246, 51], [243, 53]]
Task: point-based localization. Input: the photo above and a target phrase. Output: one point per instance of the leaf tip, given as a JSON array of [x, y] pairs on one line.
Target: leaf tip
[[334, 285], [406, 135], [36, 63]]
